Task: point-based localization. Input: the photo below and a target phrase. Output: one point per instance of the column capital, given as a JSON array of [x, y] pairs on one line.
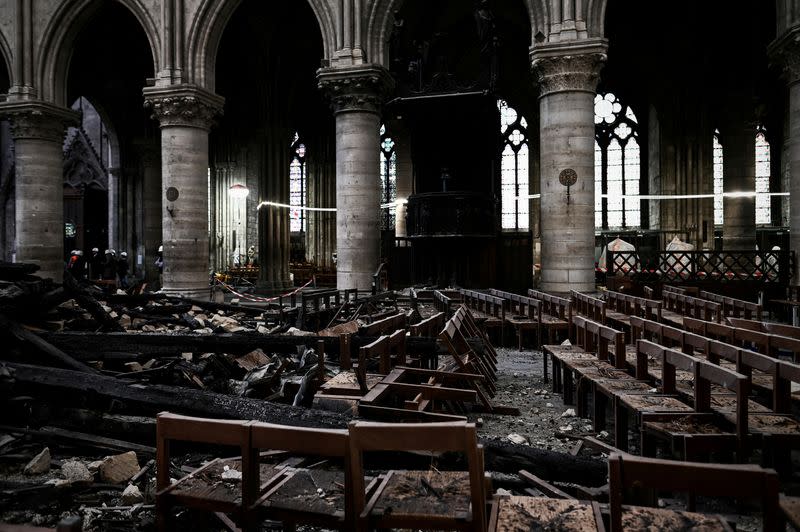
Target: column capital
[[183, 105], [569, 66], [362, 88], [785, 53], [38, 120]]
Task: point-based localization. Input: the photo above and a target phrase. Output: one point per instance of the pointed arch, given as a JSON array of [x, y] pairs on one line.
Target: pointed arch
[[209, 25], [380, 18], [61, 33], [596, 17], [5, 53]]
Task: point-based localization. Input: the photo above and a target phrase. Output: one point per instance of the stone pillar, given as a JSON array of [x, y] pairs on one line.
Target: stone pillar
[[185, 114], [113, 208], [786, 51], [38, 130], [150, 163], [568, 77], [739, 175], [356, 94], [405, 175]]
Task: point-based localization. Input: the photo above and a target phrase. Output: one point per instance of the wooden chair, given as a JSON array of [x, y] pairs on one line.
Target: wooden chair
[[202, 489], [292, 495], [627, 472], [430, 500]]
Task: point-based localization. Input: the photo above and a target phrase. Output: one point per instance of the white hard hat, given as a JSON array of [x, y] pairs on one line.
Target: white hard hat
[[160, 248], [112, 252], [79, 252], [95, 250], [123, 254], [73, 252]]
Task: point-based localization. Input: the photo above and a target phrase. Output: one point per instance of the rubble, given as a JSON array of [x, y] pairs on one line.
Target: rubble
[[119, 468], [132, 495], [39, 464], [75, 471]]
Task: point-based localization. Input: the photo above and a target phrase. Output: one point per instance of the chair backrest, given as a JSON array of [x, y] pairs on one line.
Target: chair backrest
[[175, 427], [589, 306], [762, 326], [786, 373], [451, 436], [555, 306], [429, 326], [627, 471], [707, 374]]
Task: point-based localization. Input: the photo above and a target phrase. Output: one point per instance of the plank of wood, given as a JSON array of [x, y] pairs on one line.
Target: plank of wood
[[43, 346], [156, 398], [89, 440]]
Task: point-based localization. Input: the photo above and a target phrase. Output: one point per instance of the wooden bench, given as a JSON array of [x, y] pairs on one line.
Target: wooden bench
[[556, 314], [627, 472], [766, 327], [429, 327], [620, 307], [734, 308], [523, 313], [704, 430], [677, 306], [489, 311], [589, 306], [445, 301], [389, 350], [385, 325], [430, 499]]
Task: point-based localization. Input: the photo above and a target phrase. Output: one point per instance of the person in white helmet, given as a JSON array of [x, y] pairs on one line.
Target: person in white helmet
[[95, 264], [122, 270], [110, 265], [159, 262]]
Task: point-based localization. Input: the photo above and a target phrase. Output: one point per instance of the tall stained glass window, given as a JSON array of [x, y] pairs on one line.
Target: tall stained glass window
[[718, 182], [388, 174], [763, 208], [297, 186], [514, 168], [616, 164]]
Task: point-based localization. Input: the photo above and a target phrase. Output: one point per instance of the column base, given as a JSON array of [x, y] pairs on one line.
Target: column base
[[188, 293]]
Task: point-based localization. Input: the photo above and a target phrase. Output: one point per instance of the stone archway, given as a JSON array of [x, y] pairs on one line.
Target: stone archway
[[60, 35], [209, 25], [380, 20]]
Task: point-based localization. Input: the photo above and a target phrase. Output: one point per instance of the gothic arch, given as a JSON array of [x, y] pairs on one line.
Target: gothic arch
[[55, 52], [596, 18], [5, 54], [381, 17], [210, 22]]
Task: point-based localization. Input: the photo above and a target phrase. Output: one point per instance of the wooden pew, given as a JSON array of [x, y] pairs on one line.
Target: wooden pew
[[488, 310], [766, 327], [523, 313], [677, 306], [734, 308], [589, 306], [556, 313], [627, 472], [428, 327]]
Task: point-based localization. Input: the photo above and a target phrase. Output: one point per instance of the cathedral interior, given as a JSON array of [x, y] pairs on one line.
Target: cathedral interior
[[184, 183]]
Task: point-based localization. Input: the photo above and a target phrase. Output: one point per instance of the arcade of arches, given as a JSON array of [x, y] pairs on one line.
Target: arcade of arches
[[334, 135]]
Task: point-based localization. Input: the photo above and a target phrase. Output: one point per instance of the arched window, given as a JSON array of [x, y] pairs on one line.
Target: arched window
[[297, 186], [388, 175], [514, 168], [718, 186], [616, 163], [763, 208]]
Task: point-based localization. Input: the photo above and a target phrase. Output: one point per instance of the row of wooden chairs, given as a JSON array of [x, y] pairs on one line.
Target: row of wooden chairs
[[343, 497], [522, 313]]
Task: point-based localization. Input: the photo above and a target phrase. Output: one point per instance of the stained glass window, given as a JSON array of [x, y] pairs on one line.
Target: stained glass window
[[514, 168], [718, 186], [297, 186], [617, 169], [763, 209], [388, 174]]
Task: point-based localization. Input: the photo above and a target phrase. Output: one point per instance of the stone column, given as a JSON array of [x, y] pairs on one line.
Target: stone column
[[185, 114], [356, 94], [405, 175], [568, 76], [150, 162], [786, 51], [38, 130], [739, 175]]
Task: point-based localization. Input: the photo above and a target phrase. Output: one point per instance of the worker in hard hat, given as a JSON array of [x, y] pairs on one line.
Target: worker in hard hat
[[122, 270]]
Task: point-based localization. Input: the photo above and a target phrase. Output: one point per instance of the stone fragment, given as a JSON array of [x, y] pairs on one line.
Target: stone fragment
[[569, 412], [231, 474], [119, 468], [75, 471], [39, 464], [516, 438], [132, 495]]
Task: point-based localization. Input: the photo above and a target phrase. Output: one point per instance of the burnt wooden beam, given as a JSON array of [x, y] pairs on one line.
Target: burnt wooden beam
[[81, 439], [43, 346], [89, 346], [156, 398]]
